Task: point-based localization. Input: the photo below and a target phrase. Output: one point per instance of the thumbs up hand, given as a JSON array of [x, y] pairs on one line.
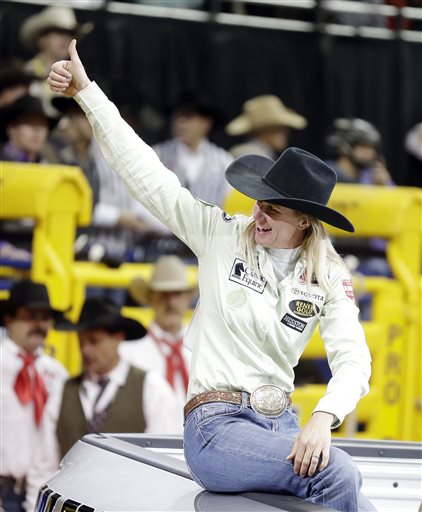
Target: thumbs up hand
[[68, 76]]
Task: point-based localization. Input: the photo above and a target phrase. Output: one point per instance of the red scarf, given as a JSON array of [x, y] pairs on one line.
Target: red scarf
[[174, 359], [30, 388]]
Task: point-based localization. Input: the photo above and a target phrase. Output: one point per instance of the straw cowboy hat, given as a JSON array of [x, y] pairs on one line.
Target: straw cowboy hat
[[169, 275], [298, 180], [264, 112], [30, 295], [103, 313], [51, 18]]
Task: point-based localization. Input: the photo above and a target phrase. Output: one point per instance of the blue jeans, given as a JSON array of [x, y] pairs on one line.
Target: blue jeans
[[9, 500], [230, 448]]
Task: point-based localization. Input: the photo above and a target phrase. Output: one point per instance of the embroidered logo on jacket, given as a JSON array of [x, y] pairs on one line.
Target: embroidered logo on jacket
[[348, 289], [303, 308], [303, 277], [227, 217], [293, 323], [246, 276]]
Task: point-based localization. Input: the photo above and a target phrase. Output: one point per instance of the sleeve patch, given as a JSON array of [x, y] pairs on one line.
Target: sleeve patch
[[348, 289]]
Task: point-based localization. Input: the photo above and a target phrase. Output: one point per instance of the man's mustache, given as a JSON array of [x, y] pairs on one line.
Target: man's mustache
[[41, 332]]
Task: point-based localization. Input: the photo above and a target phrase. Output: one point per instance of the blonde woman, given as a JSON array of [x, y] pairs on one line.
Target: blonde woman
[[265, 284]]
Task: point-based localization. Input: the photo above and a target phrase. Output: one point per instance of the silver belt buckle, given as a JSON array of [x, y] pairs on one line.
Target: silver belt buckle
[[269, 400]]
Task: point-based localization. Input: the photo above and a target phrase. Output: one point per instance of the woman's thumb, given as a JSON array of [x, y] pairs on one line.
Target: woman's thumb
[[73, 53]]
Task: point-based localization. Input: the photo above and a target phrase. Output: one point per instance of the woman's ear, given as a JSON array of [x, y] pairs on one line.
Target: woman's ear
[[303, 223]]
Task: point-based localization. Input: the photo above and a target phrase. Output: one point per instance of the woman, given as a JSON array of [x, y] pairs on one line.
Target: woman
[[265, 283]]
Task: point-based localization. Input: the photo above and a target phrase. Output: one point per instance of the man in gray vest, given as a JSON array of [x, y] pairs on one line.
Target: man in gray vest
[[110, 395]]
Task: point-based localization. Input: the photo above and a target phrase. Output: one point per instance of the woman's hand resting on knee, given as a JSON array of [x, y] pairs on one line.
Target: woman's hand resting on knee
[[312, 445]]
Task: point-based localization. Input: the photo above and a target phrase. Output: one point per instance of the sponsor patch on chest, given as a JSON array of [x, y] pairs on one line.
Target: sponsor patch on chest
[[293, 323], [244, 275], [303, 308]]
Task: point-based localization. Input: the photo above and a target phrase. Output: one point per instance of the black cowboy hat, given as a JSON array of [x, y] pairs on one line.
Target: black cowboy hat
[[297, 180], [27, 294], [103, 313], [24, 105], [13, 72], [66, 105], [190, 102]]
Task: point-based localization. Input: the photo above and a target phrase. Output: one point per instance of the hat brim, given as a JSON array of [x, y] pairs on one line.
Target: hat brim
[[6, 307], [139, 289], [243, 125], [245, 175], [132, 329]]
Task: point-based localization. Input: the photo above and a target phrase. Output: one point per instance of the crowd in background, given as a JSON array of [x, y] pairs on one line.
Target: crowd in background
[[122, 361]]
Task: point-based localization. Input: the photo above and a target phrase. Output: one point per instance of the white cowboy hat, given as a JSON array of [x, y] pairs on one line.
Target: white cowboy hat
[[169, 275], [264, 112], [50, 18]]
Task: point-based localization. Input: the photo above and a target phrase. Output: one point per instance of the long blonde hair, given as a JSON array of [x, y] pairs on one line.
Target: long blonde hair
[[316, 250]]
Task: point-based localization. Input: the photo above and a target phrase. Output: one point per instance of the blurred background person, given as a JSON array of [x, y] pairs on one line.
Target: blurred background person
[[169, 294], [118, 220], [24, 129], [266, 122], [30, 392], [15, 81], [354, 150], [47, 34], [198, 163], [110, 395]]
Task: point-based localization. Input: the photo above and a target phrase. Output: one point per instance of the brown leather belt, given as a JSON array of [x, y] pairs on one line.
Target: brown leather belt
[[233, 397]]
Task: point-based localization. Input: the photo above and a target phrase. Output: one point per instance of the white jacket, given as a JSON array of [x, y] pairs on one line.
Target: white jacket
[[248, 330]]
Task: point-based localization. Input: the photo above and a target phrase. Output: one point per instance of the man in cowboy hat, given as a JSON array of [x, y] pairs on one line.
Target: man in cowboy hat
[[24, 129], [198, 163], [48, 34], [169, 293], [31, 383], [267, 122], [110, 395]]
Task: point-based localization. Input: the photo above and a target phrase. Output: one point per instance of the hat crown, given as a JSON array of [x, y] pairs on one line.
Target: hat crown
[[169, 273], [27, 292], [95, 308], [299, 174]]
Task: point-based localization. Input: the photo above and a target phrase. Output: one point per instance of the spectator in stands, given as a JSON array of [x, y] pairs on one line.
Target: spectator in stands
[[15, 81], [48, 34], [355, 145], [110, 395], [265, 282], [354, 151], [266, 121], [24, 129], [198, 163], [31, 384], [169, 294], [118, 220]]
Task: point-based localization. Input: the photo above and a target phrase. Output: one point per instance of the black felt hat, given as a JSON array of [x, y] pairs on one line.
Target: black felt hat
[[103, 313], [13, 72], [27, 294], [25, 105], [298, 180]]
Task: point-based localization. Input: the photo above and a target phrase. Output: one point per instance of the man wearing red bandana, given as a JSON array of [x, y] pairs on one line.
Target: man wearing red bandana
[[30, 389]]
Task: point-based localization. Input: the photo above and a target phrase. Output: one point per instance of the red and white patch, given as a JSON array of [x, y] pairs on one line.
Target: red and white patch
[[348, 289]]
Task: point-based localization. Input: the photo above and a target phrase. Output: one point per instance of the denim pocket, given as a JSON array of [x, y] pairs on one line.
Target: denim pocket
[[208, 412]]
